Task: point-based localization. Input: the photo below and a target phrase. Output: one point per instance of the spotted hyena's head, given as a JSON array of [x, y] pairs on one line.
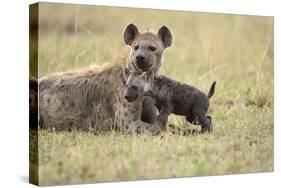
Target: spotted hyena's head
[[146, 48], [136, 84]]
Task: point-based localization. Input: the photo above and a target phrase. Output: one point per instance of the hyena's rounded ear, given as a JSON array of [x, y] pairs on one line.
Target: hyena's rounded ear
[[165, 35], [130, 33]]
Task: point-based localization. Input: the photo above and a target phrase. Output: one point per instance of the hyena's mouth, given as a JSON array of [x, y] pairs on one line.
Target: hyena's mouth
[[144, 66], [131, 98]]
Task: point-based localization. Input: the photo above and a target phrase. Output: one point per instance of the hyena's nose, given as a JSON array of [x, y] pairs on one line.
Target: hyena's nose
[[140, 57]]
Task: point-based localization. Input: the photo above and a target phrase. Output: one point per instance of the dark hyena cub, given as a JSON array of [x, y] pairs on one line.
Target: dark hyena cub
[[171, 97]]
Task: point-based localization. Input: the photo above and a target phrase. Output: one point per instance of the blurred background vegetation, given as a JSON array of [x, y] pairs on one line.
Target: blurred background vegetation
[[235, 50]]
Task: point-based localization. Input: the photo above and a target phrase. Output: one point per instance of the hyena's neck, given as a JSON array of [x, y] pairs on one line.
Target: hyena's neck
[[158, 64]]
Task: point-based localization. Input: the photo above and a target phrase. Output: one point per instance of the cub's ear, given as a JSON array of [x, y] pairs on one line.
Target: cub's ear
[[125, 74], [130, 33], [165, 35]]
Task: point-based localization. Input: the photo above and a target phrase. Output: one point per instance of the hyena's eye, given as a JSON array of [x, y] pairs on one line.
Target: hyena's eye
[[152, 48], [136, 47]]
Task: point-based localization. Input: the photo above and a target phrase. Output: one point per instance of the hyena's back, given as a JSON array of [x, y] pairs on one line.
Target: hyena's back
[[84, 100]]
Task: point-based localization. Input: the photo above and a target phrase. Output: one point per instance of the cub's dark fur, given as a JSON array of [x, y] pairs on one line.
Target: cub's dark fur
[[181, 99], [170, 96]]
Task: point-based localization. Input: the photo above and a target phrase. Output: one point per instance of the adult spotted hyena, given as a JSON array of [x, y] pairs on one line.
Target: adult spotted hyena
[[146, 55], [94, 99]]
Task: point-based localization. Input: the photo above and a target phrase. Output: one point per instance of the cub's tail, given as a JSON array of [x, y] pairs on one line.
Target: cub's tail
[[212, 90]]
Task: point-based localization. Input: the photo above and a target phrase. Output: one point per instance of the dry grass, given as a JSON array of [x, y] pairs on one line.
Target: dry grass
[[236, 51]]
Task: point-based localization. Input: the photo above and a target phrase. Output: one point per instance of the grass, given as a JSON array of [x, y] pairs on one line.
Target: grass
[[236, 51]]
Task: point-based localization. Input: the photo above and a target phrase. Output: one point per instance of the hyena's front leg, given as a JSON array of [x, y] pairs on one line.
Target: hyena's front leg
[[162, 118], [149, 110], [130, 123]]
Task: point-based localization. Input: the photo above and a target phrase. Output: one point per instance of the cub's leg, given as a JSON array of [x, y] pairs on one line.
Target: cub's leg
[[162, 118], [149, 110]]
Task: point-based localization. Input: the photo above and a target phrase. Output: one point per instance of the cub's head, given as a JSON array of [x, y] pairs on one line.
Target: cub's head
[[136, 84], [146, 48]]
